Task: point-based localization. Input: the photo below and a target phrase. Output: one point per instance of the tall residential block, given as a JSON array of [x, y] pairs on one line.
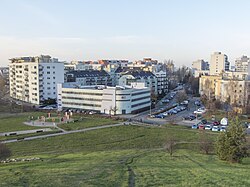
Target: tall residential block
[[35, 79], [219, 63]]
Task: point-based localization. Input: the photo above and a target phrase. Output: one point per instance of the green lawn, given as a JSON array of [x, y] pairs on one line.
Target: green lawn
[[10, 123], [119, 156], [88, 122], [121, 167]]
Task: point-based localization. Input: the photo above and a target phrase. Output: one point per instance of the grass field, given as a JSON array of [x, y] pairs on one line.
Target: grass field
[[120, 156], [88, 122], [10, 123]]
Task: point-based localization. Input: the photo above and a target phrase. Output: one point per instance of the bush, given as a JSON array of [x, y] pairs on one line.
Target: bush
[[4, 151]]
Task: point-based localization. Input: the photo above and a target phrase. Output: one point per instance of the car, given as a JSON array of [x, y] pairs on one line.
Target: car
[[204, 121], [186, 118], [195, 126], [184, 102], [216, 123], [172, 111], [165, 100], [216, 128], [208, 127], [197, 102], [191, 117], [201, 126], [223, 128], [47, 108], [159, 116], [198, 112]]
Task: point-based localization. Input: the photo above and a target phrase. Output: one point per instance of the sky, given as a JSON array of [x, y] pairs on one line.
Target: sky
[[181, 30]]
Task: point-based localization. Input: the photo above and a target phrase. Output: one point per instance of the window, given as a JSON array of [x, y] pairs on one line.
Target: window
[[48, 72], [48, 77], [48, 67], [54, 77]]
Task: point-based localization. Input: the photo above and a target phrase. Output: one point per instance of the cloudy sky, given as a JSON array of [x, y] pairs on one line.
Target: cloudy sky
[[182, 30]]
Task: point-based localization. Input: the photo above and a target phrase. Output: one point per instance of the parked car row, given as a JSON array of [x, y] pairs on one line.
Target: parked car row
[[80, 111], [172, 111], [211, 127]]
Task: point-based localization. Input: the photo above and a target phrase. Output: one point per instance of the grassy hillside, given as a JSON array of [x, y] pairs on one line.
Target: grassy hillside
[[120, 156]]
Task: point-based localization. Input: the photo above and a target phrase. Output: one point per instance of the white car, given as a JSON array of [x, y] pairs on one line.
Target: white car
[[223, 128], [199, 112], [208, 127], [216, 128]]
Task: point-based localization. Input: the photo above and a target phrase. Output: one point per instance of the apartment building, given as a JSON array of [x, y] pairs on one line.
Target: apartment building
[[138, 76], [235, 91], [162, 82], [104, 99], [241, 64], [219, 63], [89, 77], [35, 79]]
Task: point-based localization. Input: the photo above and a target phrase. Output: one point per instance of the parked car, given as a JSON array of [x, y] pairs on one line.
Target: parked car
[[165, 100], [216, 123], [208, 127], [204, 121], [191, 117], [195, 126], [201, 126], [186, 118], [198, 112], [223, 128], [216, 128]]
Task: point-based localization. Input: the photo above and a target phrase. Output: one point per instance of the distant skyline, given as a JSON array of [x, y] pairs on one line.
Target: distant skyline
[[183, 31]]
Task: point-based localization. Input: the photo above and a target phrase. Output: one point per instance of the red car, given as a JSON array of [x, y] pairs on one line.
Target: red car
[[201, 126], [216, 123]]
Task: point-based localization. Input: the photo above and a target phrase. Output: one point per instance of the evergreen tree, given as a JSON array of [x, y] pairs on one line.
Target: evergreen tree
[[231, 145]]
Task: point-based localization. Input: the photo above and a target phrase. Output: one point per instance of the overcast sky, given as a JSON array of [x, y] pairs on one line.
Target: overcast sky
[[182, 30]]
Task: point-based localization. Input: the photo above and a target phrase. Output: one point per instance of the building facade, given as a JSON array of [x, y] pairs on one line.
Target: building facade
[[107, 100], [35, 79], [241, 64], [219, 63], [89, 77]]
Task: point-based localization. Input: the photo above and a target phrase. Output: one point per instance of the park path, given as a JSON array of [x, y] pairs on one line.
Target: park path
[[64, 133]]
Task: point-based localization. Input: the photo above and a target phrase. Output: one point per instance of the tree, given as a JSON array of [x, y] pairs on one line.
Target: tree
[[231, 145], [205, 142], [181, 96], [3, 88], [170, 144], [4, 151]]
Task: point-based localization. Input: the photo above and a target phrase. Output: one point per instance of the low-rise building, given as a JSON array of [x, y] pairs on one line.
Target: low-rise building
[[104, 99]]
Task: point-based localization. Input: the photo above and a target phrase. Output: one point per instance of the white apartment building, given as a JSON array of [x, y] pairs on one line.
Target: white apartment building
[[35, 79], [162, 82], [200, 65], [219, 63], [145, 77], [104, 99], [242, 63]]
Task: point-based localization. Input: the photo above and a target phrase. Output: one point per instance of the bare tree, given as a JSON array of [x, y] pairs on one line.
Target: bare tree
[[181, 96], [170, 145]]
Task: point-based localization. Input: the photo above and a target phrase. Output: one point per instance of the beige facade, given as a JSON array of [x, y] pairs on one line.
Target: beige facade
[[219, 63], [236, 92]]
